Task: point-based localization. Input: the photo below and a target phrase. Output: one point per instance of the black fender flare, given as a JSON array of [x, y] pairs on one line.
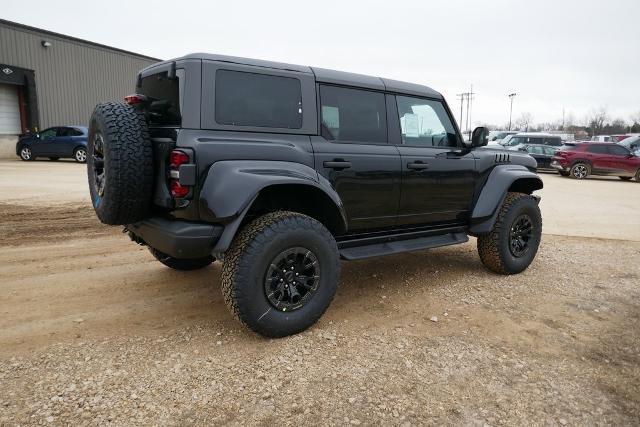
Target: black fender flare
[[231, 186], [501, 180]]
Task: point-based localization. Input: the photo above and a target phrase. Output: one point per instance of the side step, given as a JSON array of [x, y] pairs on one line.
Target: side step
[[388, 248]]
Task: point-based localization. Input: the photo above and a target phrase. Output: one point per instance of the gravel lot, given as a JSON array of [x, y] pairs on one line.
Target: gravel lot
[[94, 331]]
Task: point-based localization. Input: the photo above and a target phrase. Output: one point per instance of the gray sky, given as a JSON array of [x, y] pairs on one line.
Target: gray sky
[[579, 55]]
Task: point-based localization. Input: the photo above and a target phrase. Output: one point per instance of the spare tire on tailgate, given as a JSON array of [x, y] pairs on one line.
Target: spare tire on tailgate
[[119, 164]]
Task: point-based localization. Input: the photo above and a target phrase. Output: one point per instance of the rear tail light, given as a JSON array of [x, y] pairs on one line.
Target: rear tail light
[[176, 159], [134, 99]]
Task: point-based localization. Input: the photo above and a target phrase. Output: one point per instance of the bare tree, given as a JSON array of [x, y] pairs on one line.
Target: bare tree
[[635, 118], [524, 120], [596, 120]]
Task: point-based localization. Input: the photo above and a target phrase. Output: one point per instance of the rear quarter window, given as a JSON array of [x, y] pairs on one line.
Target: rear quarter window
[[164, 93], [259, 100]]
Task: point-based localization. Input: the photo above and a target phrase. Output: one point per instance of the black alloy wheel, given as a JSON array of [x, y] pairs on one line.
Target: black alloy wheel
[[99, 173], [520, 235], [292, 279]]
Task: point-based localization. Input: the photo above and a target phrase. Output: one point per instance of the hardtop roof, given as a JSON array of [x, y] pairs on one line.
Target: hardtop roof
[[321, 74]]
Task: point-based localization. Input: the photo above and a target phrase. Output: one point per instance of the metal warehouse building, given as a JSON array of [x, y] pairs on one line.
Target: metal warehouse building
[[49, 79]]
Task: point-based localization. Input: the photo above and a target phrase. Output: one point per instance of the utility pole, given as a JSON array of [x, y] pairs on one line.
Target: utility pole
[[511, 96], [469, 103], [461, 96]]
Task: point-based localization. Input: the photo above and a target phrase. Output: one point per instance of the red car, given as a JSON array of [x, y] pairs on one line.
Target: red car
[[580, 160]]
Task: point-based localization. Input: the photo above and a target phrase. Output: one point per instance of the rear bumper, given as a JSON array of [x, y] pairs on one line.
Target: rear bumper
[[557, 166], [178, 239]]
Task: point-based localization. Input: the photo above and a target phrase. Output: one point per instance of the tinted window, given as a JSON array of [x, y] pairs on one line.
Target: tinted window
[[618, 151], [597, 149], [425, 122], [535, 140], [556, 142], [353, 115], [68, 132], [249, 99], [48, 133], [164, 92]]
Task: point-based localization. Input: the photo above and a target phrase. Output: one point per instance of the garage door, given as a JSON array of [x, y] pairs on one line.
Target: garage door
[[9, 110]]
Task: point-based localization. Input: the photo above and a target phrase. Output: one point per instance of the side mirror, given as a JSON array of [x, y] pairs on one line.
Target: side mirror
[[479, 137]]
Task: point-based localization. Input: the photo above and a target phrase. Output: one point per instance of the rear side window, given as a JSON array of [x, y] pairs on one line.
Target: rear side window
[[618, 151], [554, 142], [535, 140], [353, 115], [164, 93], [260, 100], [597, 149], [69, 132]]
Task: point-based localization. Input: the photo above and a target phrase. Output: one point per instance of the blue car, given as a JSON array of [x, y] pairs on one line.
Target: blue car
[[55, 143]]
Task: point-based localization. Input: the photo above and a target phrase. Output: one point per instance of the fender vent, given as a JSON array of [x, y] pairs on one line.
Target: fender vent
[[503, 158]]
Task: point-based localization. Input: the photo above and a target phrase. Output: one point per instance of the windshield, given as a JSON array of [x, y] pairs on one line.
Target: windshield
[[630, 142], [506, 140]]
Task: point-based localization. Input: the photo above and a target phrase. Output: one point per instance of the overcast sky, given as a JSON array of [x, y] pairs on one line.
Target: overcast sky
[[579, 55]]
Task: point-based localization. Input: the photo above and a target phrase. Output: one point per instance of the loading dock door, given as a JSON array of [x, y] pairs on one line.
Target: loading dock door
[[9, 110]]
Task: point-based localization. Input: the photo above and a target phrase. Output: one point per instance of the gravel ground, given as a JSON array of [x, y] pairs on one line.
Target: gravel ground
[[94, 331]]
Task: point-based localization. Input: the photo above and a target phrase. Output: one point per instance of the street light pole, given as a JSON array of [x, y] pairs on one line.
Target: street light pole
[[511, 96]]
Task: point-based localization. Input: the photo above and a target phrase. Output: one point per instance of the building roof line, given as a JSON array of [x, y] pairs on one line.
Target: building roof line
[[74, 39]]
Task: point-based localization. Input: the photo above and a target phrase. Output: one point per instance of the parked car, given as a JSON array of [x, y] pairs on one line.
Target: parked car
[[542, 153], [495, 136], [283, 170], [531, 138], [632, 143], [596, 158], [55, 143], [602, 138]]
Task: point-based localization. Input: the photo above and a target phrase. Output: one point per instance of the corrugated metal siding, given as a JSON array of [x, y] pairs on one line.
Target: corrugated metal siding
[[71, 76]]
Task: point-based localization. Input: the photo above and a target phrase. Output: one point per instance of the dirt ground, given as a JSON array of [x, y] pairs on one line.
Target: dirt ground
[[93, 330]]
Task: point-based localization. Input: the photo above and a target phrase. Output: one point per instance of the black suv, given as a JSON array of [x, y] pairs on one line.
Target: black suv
[[282, 170]]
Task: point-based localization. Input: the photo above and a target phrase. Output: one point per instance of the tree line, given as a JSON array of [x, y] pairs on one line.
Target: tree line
[[596, 122]]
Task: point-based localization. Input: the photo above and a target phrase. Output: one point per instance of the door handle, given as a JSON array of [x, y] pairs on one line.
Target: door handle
[[337, 164], [418, 165]]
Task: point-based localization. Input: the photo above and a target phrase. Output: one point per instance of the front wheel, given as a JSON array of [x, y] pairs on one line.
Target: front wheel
[[182, 264], [513, 242], [26, 154], [280, 273]]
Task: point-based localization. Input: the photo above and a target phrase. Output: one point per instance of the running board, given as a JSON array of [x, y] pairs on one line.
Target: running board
[[398, 246]]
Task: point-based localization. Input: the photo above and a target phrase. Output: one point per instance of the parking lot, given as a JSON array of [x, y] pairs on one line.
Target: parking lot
[[94, 330]]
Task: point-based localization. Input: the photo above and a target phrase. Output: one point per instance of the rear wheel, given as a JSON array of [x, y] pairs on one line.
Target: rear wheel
[[181, 264], [26, 154], [580, 171], [119, 164], [80, 155], [280, 273], [513, 242]]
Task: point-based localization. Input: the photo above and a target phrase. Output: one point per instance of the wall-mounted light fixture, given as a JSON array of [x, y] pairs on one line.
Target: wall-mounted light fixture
[[45, 43]]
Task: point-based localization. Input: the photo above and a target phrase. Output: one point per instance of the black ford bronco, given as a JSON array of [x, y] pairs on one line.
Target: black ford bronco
[[282, 170]]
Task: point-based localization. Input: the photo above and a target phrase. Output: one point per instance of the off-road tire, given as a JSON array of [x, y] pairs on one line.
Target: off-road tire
[[128, 164], [493, 247], [247, 261], [574, 172], [186, 264]]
